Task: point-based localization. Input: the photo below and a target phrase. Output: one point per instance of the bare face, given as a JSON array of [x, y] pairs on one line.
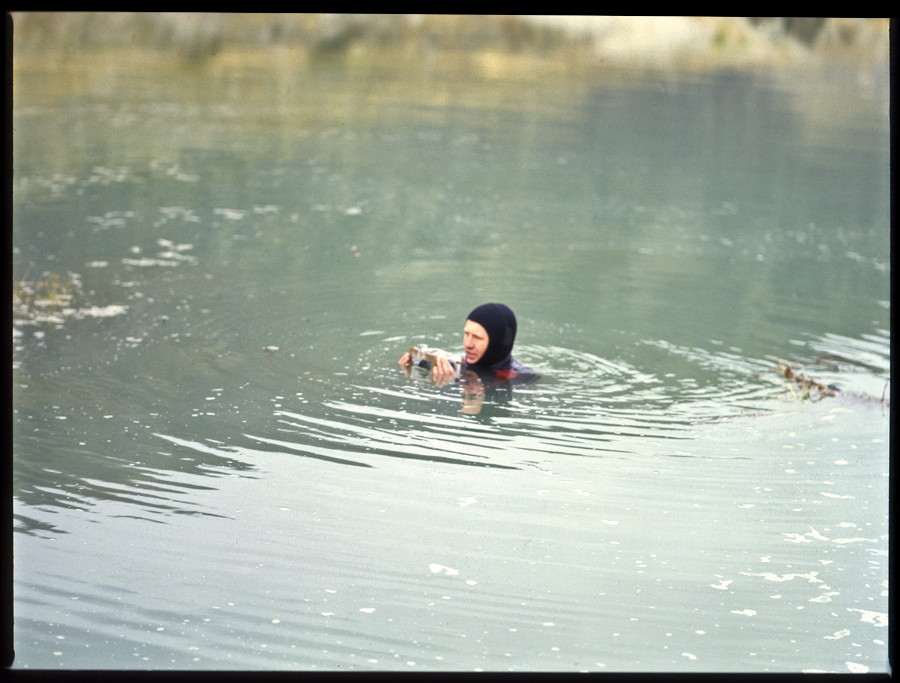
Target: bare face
[[475, 341]]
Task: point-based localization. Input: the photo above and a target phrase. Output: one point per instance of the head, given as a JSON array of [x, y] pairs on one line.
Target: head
[[489, 334]]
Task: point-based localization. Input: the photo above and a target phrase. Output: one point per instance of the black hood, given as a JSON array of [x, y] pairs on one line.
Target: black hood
[[500, 324]]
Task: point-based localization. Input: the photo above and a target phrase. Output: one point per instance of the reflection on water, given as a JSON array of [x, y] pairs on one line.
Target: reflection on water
[[219, 464]]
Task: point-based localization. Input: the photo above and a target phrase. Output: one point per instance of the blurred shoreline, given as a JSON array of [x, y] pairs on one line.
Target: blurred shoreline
[[579, 42]]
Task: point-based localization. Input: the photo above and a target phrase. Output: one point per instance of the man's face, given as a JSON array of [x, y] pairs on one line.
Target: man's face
[[475, 341]]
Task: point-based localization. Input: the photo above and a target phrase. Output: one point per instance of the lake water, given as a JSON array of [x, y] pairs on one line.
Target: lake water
[[218, 463]]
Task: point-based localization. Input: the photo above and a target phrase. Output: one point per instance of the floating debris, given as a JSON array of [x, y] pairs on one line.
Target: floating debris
[[172, 255], [147, 262], [101, 311], [230, 214], [811, 390], [52, 300]]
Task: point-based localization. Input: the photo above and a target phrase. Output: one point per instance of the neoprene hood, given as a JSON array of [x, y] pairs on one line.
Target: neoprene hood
[[499, 322]]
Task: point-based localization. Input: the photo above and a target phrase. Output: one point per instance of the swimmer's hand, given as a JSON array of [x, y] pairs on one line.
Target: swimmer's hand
[[442, 370]]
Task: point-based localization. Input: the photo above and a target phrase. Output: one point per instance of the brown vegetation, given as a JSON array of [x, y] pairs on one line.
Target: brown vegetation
[[812, 390]]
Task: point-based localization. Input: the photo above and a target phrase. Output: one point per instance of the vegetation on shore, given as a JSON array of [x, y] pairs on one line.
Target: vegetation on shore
[[660, 41]]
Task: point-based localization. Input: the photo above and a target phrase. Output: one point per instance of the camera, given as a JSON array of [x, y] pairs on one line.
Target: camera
[[425, 357]]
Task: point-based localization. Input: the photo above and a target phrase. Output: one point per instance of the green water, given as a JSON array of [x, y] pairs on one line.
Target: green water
[[187, 495]]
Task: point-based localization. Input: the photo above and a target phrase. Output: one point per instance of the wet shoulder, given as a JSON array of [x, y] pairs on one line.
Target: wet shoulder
[[519, 371]]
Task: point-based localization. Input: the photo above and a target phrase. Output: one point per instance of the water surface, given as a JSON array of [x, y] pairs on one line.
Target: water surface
[[219, 463]]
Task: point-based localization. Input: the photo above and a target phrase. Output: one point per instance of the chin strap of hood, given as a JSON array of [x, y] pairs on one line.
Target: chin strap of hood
[[500, 324]]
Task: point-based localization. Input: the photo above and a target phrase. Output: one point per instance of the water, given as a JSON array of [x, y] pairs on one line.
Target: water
[[218, 463]]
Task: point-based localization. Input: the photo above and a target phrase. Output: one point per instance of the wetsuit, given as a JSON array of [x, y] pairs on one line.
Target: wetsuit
[[503, 375]]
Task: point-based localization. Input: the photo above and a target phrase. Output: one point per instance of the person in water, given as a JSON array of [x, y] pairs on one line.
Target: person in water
[[488, 338]]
